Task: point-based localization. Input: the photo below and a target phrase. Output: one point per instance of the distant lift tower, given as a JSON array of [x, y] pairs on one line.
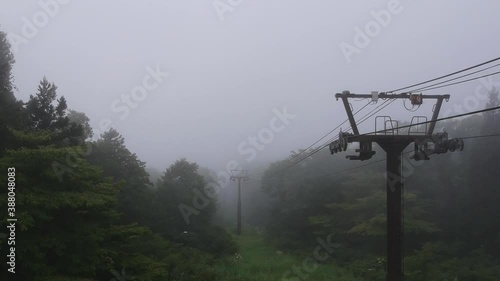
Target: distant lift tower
[[390, 139], [239, 175]]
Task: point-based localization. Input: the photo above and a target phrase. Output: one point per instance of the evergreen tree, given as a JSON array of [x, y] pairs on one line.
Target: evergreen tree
[[11, 110], [135, 197]]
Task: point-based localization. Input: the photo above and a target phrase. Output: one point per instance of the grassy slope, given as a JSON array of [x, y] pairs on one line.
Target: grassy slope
[[260, 262]]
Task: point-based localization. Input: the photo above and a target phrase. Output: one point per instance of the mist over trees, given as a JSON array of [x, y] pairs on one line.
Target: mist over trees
[[88, 208]]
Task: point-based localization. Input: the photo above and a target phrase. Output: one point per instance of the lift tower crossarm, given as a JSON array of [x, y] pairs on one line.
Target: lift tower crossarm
[[345, 95], [382, 95]]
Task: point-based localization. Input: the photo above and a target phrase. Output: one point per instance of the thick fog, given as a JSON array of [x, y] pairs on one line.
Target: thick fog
[[202, 79]]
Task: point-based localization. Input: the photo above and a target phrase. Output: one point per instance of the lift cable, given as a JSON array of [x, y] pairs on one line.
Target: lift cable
[[460, 82], [453, 79], [447, 75], [331, 131], [316, 150], [406, 126], [431, 121]]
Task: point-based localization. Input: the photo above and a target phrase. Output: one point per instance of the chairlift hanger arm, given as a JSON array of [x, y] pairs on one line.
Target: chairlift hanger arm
[[435, 115], [354, 127]]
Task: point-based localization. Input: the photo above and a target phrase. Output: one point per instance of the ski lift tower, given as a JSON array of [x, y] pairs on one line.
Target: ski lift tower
[[240, 175], [393, 143]]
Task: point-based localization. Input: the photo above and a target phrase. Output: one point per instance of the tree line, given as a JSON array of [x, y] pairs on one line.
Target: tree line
[[86, 209]]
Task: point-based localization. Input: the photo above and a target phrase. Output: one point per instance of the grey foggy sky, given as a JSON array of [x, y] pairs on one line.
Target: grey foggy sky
[[226, 77]]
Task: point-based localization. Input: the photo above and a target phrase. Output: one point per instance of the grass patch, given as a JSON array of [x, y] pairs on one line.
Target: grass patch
[[260, 262]]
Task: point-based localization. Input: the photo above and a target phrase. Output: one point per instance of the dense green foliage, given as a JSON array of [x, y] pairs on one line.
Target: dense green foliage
[[86, 209], [450, 207]]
